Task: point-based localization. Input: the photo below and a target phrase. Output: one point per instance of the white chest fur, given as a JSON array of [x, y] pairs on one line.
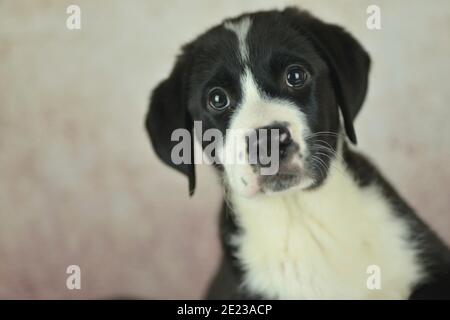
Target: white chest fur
[[318, 244]]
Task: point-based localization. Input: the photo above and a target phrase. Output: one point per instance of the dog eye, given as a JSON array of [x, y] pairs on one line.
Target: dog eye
[[296, 76], [218, 99]]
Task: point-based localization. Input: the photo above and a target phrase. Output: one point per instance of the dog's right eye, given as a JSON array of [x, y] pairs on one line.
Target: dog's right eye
[[218, 99]]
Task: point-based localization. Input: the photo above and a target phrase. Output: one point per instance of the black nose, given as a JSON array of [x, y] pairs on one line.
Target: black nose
[[260, 141]]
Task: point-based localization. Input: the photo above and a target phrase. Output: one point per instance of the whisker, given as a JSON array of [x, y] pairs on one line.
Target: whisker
[[329, 145], [331, 163], [320, 164], [322, 176], [314, 174], [330, 150], [324, 164], [321, 133]]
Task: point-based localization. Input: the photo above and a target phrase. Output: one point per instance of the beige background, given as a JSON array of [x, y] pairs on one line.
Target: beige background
[[79, 183]]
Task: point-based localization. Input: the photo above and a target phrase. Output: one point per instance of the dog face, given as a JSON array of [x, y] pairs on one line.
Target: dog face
[[271, 83]]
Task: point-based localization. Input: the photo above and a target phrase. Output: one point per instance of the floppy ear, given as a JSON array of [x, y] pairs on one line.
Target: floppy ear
[[347, 60], [168, 112]]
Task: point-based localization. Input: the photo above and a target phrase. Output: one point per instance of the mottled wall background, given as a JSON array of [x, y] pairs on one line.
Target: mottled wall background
[[79, 183]]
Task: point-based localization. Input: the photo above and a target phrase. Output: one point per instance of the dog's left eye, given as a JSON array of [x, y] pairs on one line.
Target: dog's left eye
[[218, 99], [296, 76]]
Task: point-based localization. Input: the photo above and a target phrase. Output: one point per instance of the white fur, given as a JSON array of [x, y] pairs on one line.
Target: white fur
[[318, 244], [241, 29]]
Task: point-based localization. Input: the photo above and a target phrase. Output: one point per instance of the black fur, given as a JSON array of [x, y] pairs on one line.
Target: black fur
[[168, 102], [339, 69]]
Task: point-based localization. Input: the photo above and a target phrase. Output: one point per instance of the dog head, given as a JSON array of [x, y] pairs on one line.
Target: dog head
[[275, 78]]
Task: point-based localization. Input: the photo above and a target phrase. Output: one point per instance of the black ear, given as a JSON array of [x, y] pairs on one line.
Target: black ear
[[168, 112], [347, 60]]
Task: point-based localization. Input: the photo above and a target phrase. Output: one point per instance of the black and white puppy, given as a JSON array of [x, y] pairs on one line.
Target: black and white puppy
[[313, 229]]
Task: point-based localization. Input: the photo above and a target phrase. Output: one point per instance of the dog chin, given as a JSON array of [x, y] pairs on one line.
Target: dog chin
[[274, 185], [279, 183]]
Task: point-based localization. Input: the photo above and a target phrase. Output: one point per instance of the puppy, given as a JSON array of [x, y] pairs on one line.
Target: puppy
[[325, 224]]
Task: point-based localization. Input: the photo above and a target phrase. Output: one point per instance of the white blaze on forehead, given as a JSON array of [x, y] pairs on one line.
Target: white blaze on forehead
[[241, 28], [257, 110]]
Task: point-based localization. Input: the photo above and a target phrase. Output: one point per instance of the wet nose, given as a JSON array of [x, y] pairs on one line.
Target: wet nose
[[259, 143]]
